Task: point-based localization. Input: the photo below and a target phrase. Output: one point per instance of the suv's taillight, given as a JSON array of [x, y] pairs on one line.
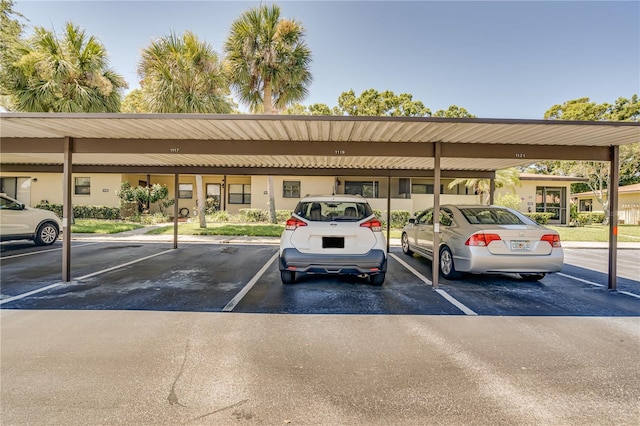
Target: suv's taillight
[[552, 239], [374, 224], [293, 223], [481, 239]]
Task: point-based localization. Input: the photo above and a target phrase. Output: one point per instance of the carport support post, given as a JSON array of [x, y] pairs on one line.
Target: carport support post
[[176, 191], [614, 178], [388, 212], [435, 265], [67, 209]]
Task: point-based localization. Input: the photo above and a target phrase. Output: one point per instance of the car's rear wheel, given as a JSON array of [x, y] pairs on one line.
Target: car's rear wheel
[[447, 266], [377, 279], [288, 277], [46, 234], [533, 277], [405, 244]]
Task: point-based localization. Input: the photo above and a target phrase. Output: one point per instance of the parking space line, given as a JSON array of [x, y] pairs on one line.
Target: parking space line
[[238, 297], [637, 296], [42, 251], [93, 274], [449, 298], [49, 287], [23, 295]]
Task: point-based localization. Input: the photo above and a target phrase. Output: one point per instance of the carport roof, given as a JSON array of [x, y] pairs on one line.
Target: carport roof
[[297, 144]]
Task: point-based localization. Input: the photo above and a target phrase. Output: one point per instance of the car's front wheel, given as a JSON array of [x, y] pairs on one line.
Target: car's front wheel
[[447, 266], [46, 234], [287, 277], [405, 244]]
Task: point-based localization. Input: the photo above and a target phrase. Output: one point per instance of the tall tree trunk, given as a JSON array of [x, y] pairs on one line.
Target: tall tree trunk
[[267, 103], [201, 201]]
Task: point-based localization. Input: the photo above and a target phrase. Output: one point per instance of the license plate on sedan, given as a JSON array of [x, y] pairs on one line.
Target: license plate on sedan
[[520, 245]]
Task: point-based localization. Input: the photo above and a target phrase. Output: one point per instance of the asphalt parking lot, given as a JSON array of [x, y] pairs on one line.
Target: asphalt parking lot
[[207, 334]]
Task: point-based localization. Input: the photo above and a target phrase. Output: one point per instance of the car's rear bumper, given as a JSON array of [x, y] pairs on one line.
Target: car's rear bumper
[[480, 261], [373, 262]]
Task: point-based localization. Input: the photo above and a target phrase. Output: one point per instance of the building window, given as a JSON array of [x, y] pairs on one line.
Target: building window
[[82, 186], [424, 188], [291, 189], [240, 194], [366, 189], [585, 206], [185, 191], [213, 196]]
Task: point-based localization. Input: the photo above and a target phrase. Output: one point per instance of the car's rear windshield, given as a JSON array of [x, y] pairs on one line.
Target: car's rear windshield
[[489, 216], [327, 211]]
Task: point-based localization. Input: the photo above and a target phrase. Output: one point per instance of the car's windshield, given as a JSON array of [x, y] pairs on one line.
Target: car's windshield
[[327, 211], [490, 216]]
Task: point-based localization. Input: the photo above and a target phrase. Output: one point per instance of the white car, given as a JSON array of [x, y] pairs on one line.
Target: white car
[[333, 234], [19, 222]]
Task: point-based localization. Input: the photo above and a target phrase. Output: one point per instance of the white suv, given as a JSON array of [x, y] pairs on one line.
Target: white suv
[[333, 234], [19, 222]]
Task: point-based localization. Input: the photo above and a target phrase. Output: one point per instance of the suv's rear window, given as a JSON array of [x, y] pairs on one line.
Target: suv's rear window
[[327, 211]]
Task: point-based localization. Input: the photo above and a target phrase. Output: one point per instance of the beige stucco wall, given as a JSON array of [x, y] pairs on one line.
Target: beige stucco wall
[[309, 185], [48, 186]]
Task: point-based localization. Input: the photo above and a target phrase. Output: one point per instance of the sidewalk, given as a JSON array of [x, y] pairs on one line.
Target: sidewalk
[[140, 235]]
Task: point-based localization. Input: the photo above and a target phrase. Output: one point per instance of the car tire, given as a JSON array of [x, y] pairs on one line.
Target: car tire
[[405, 244], [377, 279], [287, 277], [532, 277], [447, 265], [46, 234]]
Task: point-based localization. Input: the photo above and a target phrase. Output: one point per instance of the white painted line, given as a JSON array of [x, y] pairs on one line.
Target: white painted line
[[441, 292], [23, 295], [637, 296], [232, 304], [43, 251], [579, 279], [123, 265], [410, 268], [455, 302]]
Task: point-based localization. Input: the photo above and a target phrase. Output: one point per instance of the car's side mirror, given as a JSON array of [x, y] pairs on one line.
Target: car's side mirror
[[412, 220]]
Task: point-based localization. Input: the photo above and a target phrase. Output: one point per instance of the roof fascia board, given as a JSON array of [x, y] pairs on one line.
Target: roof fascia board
[[277, 171]]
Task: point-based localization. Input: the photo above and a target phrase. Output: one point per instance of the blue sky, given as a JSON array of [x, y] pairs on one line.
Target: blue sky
[[504, 59]]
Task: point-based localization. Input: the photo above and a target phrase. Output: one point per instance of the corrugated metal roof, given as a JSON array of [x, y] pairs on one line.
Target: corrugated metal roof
[[374, 143]]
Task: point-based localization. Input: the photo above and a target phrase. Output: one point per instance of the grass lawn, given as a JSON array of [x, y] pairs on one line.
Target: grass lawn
[[597, 233], [240, 229], [99, 226]]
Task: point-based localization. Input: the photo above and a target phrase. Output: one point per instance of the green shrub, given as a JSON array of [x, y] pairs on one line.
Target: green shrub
[[511, 201], [219, 216], [85, 212], [253, 215], [539, 217], [399, 218], [282, 216], [587, 218]]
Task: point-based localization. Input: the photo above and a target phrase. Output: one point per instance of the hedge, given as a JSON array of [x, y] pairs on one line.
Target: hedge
[[84, 212], [539, 217]]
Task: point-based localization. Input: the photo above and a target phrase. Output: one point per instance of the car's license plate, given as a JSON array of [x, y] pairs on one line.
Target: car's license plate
[[332, 242], [520, 245]]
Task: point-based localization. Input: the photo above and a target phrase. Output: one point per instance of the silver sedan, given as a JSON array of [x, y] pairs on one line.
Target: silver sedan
[[485, 239]]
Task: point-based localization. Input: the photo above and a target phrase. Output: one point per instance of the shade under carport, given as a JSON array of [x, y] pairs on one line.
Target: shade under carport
[[259, 144]]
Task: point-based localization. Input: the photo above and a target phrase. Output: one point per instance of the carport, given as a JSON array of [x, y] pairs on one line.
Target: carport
[[174, 144]]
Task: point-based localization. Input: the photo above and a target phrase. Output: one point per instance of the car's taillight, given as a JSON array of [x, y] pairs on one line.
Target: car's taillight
[[374, 224], [552, 239], [293, 223], [481, 239]]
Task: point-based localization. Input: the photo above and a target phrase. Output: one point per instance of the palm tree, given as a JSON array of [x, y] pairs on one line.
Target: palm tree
[[506, 178], [184, 75], [65, 75], [269, 65]]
